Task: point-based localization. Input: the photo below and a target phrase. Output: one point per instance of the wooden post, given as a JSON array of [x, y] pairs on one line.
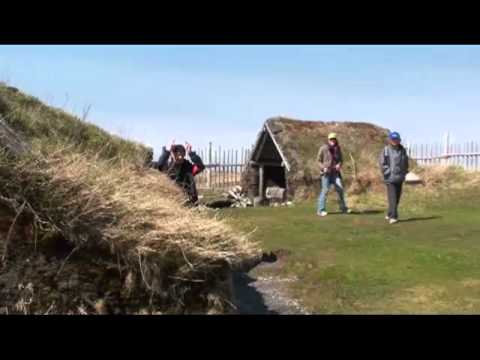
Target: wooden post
[[236, 166], [228, 167], [472, 152], [472, 157], [214, 167], [468, 156], [209, 173], [477, 150], [219, 168], [446, 148], [476, 156], [260, 182], [456, 152], [223, 167]]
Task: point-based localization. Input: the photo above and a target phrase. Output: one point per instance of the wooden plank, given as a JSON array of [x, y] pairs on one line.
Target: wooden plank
[[260, 182], [439, 153], [223, 169], [219, 168], [262, 144], [457, 157], [477, 156], [266, 163], [229, 167], [472, 151], [209, 180], [422, 154], [472, 158], [236, 167], [215, 172], [225, 175], [477, 160], [460, 158], [468, 156]]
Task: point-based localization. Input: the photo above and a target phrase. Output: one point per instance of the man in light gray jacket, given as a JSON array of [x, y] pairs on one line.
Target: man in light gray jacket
[[394, 166]]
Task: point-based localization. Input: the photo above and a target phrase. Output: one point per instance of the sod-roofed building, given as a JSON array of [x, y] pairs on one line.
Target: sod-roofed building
[[285, 156]]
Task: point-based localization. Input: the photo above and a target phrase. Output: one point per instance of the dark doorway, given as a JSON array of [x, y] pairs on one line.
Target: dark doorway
[[274, 176]]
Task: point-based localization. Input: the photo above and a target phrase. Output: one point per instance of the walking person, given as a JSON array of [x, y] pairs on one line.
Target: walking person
[[394, 166], [330, 158]]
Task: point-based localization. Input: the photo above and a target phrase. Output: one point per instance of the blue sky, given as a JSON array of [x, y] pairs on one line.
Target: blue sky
[[224, 93]]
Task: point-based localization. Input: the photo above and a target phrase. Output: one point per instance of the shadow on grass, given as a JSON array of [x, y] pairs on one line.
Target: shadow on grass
[[421, 219], [247, 298], [368, 212], [363, 212]]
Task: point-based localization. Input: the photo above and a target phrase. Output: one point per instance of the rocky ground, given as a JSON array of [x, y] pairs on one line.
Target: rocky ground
[[265, 295]]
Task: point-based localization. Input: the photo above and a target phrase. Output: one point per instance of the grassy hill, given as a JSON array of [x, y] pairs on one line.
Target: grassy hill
[[86, 227]]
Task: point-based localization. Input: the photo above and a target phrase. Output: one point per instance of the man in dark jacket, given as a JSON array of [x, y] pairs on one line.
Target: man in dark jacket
[[174, 164], [394, 166], [330, 160]]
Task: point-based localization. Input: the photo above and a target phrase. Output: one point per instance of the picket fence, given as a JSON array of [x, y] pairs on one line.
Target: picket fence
[[446, 153], [223, 167]]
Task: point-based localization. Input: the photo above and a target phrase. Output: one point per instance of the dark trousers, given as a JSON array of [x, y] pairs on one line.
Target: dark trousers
[[394, 192]]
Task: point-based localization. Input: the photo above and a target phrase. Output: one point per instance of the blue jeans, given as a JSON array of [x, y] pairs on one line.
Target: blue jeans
[[327, 182]]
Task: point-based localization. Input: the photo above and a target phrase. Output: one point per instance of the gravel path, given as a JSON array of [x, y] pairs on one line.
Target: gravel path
[[264, 295]]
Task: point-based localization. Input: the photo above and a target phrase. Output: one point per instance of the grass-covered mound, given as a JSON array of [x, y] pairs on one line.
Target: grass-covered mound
[[87, 228], [300, 141]]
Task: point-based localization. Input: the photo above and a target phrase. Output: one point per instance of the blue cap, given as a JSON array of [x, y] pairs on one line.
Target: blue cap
[[394, 136]]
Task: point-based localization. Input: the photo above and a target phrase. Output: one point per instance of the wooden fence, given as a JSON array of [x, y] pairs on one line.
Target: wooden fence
[[224, 167], [466, 155]]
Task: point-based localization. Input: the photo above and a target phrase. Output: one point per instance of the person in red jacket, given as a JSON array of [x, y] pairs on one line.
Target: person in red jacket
[[175, 165]]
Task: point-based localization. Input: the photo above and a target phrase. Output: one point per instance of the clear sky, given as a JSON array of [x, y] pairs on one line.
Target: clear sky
[[224, 93]]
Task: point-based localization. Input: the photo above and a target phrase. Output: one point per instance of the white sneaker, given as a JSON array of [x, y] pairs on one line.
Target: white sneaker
[[387, 218], [393, 221], [348, 211], [322, 213]]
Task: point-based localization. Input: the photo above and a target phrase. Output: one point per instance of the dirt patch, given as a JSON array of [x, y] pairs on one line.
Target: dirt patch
[[265, 296], [261, 291]]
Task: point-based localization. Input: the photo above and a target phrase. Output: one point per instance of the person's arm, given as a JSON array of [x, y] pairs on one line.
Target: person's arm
[[383, 162], [163, 159], [198, 165], [340, 159], [407, 160], [320, 158]]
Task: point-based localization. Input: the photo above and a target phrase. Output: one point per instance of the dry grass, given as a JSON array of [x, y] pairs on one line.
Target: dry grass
[[91, 191], [437, 182], [52, 127], [136, 213]]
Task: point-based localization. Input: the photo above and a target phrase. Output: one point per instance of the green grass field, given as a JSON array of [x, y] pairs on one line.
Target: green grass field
[[429, 263]]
